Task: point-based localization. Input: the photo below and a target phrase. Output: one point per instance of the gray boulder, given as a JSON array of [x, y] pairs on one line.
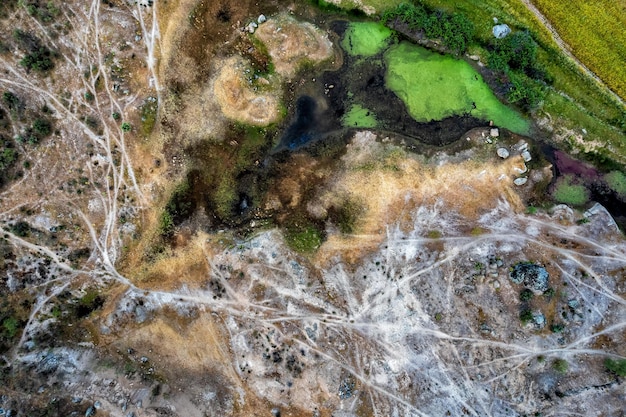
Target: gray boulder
[[501, 31], [533, 277]]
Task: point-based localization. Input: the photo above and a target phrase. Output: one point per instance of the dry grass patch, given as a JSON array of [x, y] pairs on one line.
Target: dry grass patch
[[291, 43]]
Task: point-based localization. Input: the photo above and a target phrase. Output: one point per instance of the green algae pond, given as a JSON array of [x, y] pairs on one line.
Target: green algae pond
[[435, 86], [359, 116], [366, 38], [432, 86]]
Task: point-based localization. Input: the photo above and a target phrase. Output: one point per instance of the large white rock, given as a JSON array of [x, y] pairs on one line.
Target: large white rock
[[503, 153], [501, 31]]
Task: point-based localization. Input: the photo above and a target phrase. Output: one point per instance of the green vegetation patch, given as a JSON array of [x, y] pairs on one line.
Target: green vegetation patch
[[302, 235], [365, 38], [435, 87], [596, 34], [454, 29], [617, 182], [617, 366], [568, 192], [359, 116]]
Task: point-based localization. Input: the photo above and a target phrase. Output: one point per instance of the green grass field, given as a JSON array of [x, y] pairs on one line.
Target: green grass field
[[596, 33]]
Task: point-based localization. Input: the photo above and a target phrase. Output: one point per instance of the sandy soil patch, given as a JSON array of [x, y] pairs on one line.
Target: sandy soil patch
[[291, 43]]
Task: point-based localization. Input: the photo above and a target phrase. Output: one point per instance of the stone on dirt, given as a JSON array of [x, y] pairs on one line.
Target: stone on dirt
[[534, 277], [503, 153]]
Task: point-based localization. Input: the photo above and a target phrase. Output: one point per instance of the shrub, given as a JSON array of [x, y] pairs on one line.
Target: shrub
[[557, 327], [39, 60], [526, 295], [560, 365], [42, 127], [617, 366], [126, 127], [10, 100], [526, 316]]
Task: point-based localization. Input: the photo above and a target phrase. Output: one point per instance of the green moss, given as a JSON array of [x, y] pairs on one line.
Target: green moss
[[359, 116], [568, 192], [435, 87], [365, 38], [617, 182], [616, 366], [303, 236]]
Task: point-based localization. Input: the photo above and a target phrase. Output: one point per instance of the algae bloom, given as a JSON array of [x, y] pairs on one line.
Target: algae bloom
[[359, 116], [365, 38], [435, 86]]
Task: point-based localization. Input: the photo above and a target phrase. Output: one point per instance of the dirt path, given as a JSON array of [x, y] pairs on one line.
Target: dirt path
[[567, 50]]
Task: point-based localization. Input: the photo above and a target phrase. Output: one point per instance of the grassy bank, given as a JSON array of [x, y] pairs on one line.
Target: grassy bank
[[596, 34]]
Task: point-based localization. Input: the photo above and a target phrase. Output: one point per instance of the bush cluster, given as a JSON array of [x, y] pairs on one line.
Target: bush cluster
[[516, 57], [455, 30]]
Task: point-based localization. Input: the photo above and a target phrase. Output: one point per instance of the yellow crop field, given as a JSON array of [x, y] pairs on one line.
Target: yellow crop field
[[596, 32]]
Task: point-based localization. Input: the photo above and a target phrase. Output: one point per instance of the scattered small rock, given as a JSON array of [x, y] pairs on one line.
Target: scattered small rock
[[261, 19], [494, 133], [526, 156], [503, 153], [520, 181]]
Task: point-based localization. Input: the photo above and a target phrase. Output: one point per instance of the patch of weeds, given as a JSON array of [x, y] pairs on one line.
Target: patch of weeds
[[434, 234], [560, 365], [526, 295], [526, 316], [477, 231], [582, 221], [303, 236], [88, 303], [617, 366], [616, 181], [531, 210], [148, 115], [178, 208], [557, 327], [568, 191]]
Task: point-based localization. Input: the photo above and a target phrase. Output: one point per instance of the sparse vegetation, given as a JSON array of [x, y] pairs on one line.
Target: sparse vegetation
[[303, 236], [560, 365], [617, 366]]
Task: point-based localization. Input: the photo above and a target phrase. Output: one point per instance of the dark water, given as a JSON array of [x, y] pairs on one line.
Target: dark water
[[305, 126]]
